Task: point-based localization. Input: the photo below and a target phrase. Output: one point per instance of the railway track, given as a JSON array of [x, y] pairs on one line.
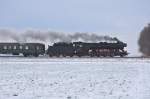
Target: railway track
[[128, 57]]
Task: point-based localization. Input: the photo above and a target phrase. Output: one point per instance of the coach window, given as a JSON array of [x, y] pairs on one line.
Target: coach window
[[26, 47], [37, 47], [5, 47], [15, 47], [9, 47], [80, 45], [20, 47]]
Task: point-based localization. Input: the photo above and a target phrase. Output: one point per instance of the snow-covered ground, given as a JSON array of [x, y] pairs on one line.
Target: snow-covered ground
[[74, 78]]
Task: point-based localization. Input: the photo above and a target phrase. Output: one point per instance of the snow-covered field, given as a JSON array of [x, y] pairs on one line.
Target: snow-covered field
[[74, 78]]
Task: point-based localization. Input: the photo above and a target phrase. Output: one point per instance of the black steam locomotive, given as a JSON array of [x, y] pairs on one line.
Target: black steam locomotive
[[101, 49]]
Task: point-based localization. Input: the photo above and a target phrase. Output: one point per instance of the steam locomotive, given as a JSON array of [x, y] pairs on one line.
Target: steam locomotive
[[101, 49]]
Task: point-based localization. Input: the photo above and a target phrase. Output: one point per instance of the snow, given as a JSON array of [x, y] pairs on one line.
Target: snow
[[74, 78]]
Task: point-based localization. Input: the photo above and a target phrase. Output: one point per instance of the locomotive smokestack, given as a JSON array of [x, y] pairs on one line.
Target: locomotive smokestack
[[144, 41]]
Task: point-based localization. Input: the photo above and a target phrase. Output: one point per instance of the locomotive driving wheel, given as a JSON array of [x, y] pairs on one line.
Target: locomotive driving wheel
[[36, 55], [25, 55]]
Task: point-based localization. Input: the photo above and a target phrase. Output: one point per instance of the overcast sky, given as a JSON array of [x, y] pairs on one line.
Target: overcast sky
[[121, 18]]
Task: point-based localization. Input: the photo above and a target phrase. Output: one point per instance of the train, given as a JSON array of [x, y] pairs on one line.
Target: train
[[64, 49]]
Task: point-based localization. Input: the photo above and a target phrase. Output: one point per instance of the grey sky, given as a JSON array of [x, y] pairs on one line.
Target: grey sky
[[121, 18]]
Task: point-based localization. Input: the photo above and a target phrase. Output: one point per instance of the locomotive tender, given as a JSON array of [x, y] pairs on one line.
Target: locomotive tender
[[101, 49]]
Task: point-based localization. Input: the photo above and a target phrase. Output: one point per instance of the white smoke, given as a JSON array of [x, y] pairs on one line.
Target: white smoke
[[7, 35]]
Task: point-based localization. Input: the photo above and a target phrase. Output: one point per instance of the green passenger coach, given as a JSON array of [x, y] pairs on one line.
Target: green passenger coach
[[27, 49]]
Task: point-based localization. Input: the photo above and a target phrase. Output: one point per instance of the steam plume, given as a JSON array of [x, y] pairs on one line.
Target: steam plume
[[50, 36], [144, 41]]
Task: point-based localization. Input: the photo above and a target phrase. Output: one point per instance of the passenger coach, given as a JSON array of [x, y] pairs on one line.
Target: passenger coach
[[27, 49]]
